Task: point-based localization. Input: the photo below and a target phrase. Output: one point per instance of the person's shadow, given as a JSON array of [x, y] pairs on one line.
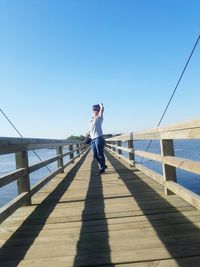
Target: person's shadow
[[93, 246]]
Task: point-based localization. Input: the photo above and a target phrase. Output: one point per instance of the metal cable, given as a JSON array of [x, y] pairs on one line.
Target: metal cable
[[182, 73], [21, 135]]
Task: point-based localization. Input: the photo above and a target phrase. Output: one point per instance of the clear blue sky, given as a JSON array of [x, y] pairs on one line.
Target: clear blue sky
[[59, 57]]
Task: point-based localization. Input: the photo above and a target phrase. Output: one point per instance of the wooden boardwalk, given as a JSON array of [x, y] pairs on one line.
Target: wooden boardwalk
[[121, 218]]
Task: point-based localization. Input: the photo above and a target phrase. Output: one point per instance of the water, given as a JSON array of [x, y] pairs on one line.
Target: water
[[7, 165], [188, 149]]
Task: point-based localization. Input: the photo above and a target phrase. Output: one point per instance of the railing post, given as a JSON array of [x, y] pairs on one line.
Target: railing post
[[71, 155], [23, 184], [78, 150], [107, 144], [81, 148], [113, 143], [59, 151], [119, 143], [169, 172], [131, 156]]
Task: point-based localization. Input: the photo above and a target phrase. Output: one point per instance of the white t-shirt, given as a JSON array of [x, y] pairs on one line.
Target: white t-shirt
[[95, 127]]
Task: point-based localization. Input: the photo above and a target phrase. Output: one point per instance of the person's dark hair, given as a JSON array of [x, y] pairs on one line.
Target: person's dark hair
[[96, 107]]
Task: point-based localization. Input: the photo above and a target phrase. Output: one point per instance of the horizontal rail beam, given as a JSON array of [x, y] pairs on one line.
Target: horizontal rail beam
[[15, 175], [44, 181], [187, 130], [148, 155], [184, 193], [11, 177], [122, 148], [184, 164], [131, 162], [12, 145], [42, 164], [12, 206], [71, 161], [150, 173]]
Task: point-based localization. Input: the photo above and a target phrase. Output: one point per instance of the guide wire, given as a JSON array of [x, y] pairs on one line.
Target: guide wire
[[11, 123], [172, 95]]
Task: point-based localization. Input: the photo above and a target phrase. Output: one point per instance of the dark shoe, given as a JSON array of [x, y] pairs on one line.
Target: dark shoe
[[100, 171], [106, 166]]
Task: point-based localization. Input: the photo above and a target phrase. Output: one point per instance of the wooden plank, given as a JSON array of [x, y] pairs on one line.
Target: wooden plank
[[148, 155], [121, 137], [12, 176], [39, 165], [169, 172], [150, 173], [66, 243], [43, 163], [44, 181], [184, 262], [182, 134], [71, 150], [59, 152], [121, 148], [62, 261], [146, 136], [71, 230], [184, 193], [71, 161], [185, 130], [122, 219], [181, 163], [66, 154], [192, 124], [95, 257], [131, 155], [23, 183], [12, 206], [121, 156], [12, 144]]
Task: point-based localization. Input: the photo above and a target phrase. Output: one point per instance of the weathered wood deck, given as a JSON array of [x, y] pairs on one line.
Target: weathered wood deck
[[120, 218]]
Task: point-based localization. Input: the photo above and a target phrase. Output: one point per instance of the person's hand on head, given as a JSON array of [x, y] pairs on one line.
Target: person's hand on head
[[101, 109]]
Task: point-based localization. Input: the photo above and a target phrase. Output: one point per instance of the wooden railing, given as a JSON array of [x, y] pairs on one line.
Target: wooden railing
[[20, 147], [166, 136]]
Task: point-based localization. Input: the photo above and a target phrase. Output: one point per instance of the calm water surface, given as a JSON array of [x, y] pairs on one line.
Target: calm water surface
[[7, 164], [185, 149]]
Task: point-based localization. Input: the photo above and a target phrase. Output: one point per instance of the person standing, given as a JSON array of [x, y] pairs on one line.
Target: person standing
[[96, 134]]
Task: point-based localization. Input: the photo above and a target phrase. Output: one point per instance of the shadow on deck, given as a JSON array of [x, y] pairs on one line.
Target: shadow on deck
[[126, 221]]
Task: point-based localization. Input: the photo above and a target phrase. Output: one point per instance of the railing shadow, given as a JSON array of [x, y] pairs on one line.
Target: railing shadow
[[180, 238], [93, 246], [37, 219]]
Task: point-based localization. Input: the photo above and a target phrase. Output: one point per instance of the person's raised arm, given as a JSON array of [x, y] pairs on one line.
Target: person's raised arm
[[101, 110]]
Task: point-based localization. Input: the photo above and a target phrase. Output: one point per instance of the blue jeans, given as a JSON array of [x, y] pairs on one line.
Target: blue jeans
[[97, 146]]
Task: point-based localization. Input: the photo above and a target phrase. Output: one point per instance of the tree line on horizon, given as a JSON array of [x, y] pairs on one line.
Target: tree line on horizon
[[76, 137], [82, 137]]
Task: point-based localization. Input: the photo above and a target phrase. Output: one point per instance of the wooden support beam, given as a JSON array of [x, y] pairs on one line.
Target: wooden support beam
[[119, 143], [23, 183], [131, 156], [71, 155], [78, 151], [169, 172], [59, 152]]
